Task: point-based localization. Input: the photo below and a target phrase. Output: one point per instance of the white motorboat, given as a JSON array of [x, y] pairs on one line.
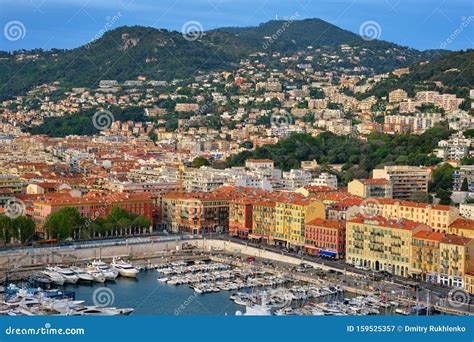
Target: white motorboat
[[123, 268], [69, 276], [255, 310], [82, 274], [54, 276], [98, 311], [107, 271], [96, 275]]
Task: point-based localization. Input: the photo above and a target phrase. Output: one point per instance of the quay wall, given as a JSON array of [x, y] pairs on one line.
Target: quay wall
[[232, 247], [30, 258], [15, 260]]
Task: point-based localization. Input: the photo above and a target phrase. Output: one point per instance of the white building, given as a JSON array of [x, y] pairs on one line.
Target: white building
[[325, 179], [467, 211]]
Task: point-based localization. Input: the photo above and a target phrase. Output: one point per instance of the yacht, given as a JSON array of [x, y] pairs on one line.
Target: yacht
[[96, 275], [81, 274], [107, 271], [55, 277], [99, 311], [69, 276], [123, 268]]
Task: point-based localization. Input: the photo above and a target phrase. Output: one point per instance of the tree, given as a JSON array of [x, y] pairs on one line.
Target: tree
[[5, 228], [246, 144], [116, 214], [465, 185], [442, 178], [26, 227], [140, 223], [198, 162], [61, 224], [444, 196]]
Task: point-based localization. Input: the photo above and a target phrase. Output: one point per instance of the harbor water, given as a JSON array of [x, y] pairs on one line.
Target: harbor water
[[149, 297]]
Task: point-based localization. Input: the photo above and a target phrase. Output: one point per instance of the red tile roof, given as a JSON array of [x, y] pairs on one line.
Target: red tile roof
[[463, 223], [319, 222], [429, 235], [455, 240], [384, 222]]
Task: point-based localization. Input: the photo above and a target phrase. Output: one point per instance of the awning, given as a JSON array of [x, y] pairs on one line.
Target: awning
[[254, 236], [311, 247], [327, 253]]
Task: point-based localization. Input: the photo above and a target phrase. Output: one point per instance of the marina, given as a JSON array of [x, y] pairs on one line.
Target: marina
[[186, 287]]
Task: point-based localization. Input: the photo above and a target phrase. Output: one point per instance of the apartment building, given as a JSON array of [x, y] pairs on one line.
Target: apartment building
[[370, 188], [325, 179], [259, 164], [291, 215], [344, 210], [263, 221], [12, 183], [456, 259], [397, 95], [466, 210], [455, 148], [425, 256], [406, 182], [325, 238], [465, 172], [196, 213], [295, 179], [240, 217], [462, 227], [93, 205], [381, 244], [438, 217]]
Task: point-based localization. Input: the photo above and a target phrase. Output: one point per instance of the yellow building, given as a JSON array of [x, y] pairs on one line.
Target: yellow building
[[370, 188], [438, 217], [10, 183], [291, 214], [462, 227], [425, 259], [381, 244], [263, 222], [469, 282], [456, 259]]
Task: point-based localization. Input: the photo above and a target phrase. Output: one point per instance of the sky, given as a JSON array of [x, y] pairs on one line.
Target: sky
[[421, 24]]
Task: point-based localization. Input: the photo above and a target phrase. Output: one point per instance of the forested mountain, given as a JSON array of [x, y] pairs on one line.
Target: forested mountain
[[128, 52]]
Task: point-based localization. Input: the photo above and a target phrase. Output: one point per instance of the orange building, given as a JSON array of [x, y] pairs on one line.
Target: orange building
[[425, 256], [325, 237], [240, 218], [93, 205]]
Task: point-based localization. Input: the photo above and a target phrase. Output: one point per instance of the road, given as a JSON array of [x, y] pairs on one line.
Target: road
[[391, 284]]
